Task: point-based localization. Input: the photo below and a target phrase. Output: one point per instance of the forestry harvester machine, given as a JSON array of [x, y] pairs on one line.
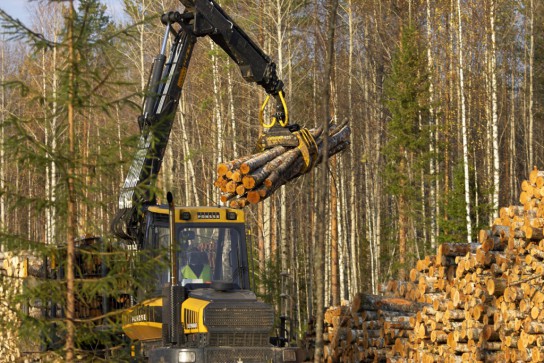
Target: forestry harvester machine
[[201, 308]]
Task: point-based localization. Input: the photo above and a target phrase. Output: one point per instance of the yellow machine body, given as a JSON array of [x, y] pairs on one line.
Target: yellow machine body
[[192, 316], [204, 215], [142, 322]]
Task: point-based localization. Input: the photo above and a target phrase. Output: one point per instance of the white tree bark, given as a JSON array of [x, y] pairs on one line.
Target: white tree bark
[[47, 136], [137, 11], [513, 152], [119, 144], [190, 190], [168, 169], [2, 139], [432, 123], [342, 212], [464, 121], [531, 73], [141, 49], [284, 247], [232, 113], [353, 243], [370, 235], [494, 107], [51, 177], [217, 119]]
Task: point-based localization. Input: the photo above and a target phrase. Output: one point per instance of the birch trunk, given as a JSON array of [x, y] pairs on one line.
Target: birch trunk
[[531, 73], [268, 214], [432, 123], [141, 50], [495, 122], [309, 251], [334, 260], [261, 246], [343, 215], [488, 160], [464, 122], [513, 152], [323, 179], [46, 132], [283, 235], [296, 256], [233, 125], [334, 203], [369, 178], [50, 137], [218, 121], [354, 276], [369, 233], [2, 139], [273, 231], [191, 190], [403, 224], [83, 171], [267, 206], [261, 206], [53, 171], [168, 169], [119, 144]]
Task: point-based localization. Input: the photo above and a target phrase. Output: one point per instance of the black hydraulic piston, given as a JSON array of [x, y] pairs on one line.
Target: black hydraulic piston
[[152, 94]]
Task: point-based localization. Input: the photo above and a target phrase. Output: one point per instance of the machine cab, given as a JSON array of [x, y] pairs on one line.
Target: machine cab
[[210, 246]]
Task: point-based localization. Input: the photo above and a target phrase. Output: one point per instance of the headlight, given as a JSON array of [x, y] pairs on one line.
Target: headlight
[[289, 356], [186, 357]]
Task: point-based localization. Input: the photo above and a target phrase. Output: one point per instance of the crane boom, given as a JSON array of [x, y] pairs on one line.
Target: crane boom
[[200, 18]]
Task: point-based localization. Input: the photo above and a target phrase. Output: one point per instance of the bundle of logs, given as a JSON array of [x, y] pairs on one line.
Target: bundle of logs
[[471, 302], [253, 178]]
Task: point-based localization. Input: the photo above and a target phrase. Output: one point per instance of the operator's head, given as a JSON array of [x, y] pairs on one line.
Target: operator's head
[[197, 257]]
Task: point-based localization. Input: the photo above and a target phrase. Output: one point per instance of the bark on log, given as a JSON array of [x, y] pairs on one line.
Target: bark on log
[[490, 310], [275, 167]]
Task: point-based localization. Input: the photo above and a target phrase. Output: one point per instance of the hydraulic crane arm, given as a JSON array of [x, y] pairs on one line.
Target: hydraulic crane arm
[[254, 64], [200, 18]]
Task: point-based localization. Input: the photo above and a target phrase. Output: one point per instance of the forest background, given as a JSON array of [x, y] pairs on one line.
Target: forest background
[[444, 99]]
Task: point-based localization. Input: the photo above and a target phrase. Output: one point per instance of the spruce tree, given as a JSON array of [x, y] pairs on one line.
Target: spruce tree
[[65, 298], [405, 90]]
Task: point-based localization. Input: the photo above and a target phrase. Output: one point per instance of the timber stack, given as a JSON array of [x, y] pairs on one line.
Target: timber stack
[[471, 302], [253, 178], [12, 271]]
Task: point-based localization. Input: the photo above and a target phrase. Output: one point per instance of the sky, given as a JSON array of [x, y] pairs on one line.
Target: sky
[[20, 9]]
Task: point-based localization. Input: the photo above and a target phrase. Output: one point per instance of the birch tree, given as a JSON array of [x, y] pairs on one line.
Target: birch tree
[[433, 186], [217, 111], [464, 135], [354, 211], [2, 138], [495, 119], [319, 252], [531, 75]]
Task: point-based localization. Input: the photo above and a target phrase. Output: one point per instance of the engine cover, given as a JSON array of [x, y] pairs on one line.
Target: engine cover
[[230, 318]]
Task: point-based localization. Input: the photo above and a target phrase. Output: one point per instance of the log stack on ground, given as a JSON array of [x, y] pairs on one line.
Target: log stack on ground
[[477, 302], [253, 178]]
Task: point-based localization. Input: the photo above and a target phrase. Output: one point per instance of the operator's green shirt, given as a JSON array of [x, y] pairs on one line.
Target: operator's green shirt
[[188, 273]]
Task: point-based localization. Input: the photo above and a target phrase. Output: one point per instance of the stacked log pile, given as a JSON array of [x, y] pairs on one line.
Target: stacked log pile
[[12, 269], [479, 302], [253, 178]]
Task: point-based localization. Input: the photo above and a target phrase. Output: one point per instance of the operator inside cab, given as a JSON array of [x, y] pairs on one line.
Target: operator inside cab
[[197, 267]]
